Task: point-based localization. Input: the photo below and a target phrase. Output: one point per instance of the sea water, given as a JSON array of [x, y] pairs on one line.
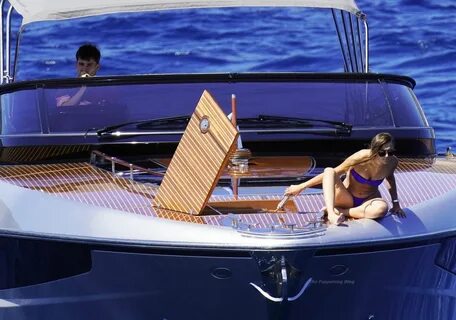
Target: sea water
[[407, 37]]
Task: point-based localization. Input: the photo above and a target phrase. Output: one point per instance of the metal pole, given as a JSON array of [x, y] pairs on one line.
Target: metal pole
[[347, 40], [358, 31], [16, 51], [353, 42], [363, 17], [8, 44], [233, 110], [340, 41], [2, 3]]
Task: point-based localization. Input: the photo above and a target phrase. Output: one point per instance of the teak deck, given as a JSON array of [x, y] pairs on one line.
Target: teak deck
[[418, 180]]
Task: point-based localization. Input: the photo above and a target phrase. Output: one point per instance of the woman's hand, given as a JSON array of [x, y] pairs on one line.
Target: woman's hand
[[294, 190], [396, 209]]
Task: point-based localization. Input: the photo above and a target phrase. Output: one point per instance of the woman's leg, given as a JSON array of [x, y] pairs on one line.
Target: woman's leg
[[371, 209], [335, 193]]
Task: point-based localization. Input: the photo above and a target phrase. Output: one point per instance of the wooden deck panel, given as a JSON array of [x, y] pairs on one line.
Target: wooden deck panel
[[198, 161]]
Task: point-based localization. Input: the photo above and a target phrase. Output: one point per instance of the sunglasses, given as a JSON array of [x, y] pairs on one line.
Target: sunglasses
[[383, 153]]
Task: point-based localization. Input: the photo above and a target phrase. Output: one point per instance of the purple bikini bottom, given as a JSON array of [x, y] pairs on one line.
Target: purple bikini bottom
[[358, 201]]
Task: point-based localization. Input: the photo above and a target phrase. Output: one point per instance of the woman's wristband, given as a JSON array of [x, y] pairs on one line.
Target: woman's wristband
[[395, 201]]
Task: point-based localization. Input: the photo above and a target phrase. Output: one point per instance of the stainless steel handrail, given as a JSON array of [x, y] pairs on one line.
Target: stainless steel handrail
[[126, 164], [362, 16]]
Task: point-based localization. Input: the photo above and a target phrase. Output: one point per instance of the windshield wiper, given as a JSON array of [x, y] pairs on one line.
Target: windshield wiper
[[279, 122], [266, 124], [170, 123]]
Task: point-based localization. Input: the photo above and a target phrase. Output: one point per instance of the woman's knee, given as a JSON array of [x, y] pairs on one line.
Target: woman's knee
[[376, 209], [329, 171]]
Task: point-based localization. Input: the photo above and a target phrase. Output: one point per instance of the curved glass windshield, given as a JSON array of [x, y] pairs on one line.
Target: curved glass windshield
[[89, 107]]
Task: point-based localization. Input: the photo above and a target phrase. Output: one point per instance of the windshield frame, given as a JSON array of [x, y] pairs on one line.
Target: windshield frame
[[40, 86]]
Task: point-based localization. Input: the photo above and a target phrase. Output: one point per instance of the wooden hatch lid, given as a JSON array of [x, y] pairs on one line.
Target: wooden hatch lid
[[199, 160]]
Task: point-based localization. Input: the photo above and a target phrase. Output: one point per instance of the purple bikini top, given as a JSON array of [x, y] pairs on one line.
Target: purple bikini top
[[361, 179]]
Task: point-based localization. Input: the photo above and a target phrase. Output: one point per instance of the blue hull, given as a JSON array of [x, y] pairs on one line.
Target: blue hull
[[82, 281]]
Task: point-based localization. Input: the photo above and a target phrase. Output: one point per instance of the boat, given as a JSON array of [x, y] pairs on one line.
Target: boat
[[150, 203]]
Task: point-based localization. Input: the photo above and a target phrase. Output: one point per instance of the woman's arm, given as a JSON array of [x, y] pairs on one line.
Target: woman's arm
[[393, 193], [355, 158]]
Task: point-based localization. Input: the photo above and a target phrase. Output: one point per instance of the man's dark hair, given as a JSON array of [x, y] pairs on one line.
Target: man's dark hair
[[88, 51]]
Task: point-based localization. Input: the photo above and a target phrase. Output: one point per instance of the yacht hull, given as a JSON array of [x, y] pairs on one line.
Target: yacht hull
[[43, 279]]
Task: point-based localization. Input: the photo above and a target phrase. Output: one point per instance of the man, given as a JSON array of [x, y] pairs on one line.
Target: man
[[87, 60], [87, 64]]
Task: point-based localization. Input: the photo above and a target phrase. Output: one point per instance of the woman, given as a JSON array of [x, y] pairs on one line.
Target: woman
[[358, 196]]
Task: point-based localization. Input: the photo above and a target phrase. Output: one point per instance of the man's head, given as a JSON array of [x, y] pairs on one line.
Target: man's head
[[87, 60]]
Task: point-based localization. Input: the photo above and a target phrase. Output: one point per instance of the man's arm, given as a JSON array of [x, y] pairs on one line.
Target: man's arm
[[71, 101]]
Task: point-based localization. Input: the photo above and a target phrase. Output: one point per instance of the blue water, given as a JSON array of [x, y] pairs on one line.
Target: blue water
[[414, 38]]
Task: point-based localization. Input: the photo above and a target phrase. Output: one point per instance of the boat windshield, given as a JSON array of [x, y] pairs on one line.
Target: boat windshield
[[57, 108]]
